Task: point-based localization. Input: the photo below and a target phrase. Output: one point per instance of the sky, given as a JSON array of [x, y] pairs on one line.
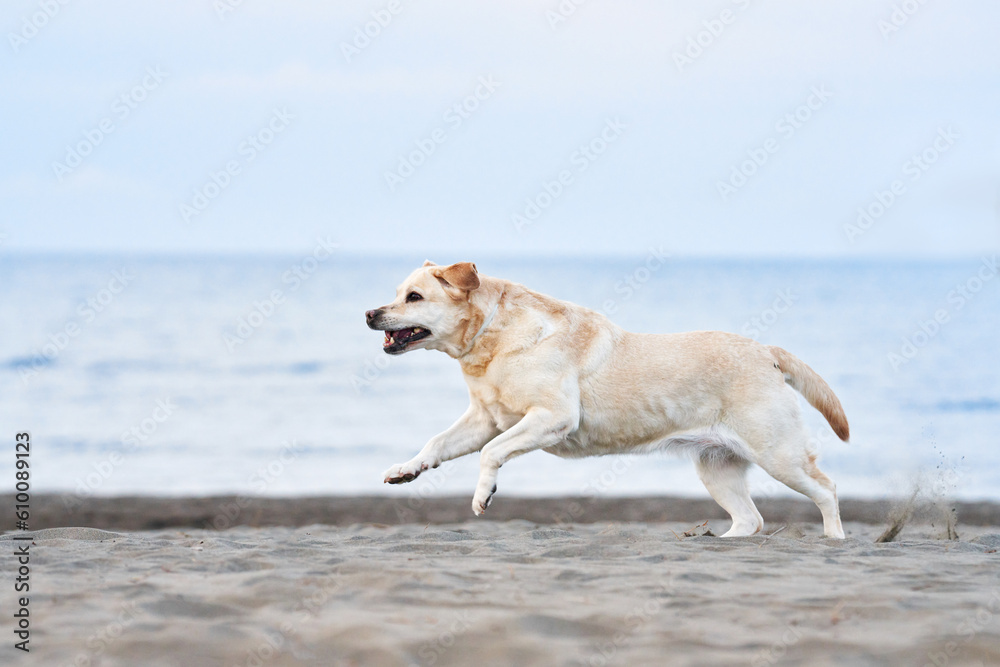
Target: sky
[[448, 128]]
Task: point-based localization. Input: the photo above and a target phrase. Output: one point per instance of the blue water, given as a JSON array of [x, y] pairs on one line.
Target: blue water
[[146, 396]]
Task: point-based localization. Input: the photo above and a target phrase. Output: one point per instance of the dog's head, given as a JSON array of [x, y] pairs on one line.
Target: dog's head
[[431, 310]]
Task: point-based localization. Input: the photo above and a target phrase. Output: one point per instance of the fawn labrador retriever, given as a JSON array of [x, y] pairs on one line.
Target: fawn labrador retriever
[[548, 374]]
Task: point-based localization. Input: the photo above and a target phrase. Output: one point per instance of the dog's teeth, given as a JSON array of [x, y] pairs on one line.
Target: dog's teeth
[[417, 330]]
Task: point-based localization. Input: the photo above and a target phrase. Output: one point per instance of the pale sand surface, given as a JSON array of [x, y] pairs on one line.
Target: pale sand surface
[[509, 593]]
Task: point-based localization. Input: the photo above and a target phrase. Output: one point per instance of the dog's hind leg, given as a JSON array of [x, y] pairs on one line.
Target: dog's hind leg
[[793, 465], [779, 443], [724, 475]]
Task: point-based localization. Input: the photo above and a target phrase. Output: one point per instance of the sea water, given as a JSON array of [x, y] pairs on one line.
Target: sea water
[[257, 374]]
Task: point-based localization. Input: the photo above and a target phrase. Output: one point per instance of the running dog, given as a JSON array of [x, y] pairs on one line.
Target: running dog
[[551, 375]]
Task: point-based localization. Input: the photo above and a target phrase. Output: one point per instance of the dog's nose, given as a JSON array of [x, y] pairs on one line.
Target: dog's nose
[[370, 315]]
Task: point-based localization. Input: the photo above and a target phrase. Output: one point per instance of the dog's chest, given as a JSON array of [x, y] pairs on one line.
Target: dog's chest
[[491, 398], [503, 416]]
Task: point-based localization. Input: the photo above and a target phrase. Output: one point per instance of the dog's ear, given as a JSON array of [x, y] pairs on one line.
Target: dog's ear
[[462, 275], [428, 262]]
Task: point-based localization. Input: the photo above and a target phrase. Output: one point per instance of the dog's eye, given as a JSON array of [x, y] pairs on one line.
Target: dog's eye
[[413, 296]]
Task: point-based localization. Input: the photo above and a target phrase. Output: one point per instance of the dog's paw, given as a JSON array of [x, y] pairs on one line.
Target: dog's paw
[[405, 472], [481, 501]]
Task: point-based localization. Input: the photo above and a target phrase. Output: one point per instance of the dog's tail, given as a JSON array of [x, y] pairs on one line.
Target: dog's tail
[[807, 382]]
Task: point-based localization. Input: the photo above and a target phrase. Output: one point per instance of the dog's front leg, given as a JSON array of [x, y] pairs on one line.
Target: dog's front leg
[[539, 428], [472, 430]]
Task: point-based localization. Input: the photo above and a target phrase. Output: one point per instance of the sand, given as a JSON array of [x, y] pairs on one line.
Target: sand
[[511, 593]]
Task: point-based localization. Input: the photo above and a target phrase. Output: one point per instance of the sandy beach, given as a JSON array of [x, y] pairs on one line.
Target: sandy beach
[[505, 592]]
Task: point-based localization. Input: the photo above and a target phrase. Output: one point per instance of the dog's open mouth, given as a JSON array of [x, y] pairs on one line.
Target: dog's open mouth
[[396, 341]]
